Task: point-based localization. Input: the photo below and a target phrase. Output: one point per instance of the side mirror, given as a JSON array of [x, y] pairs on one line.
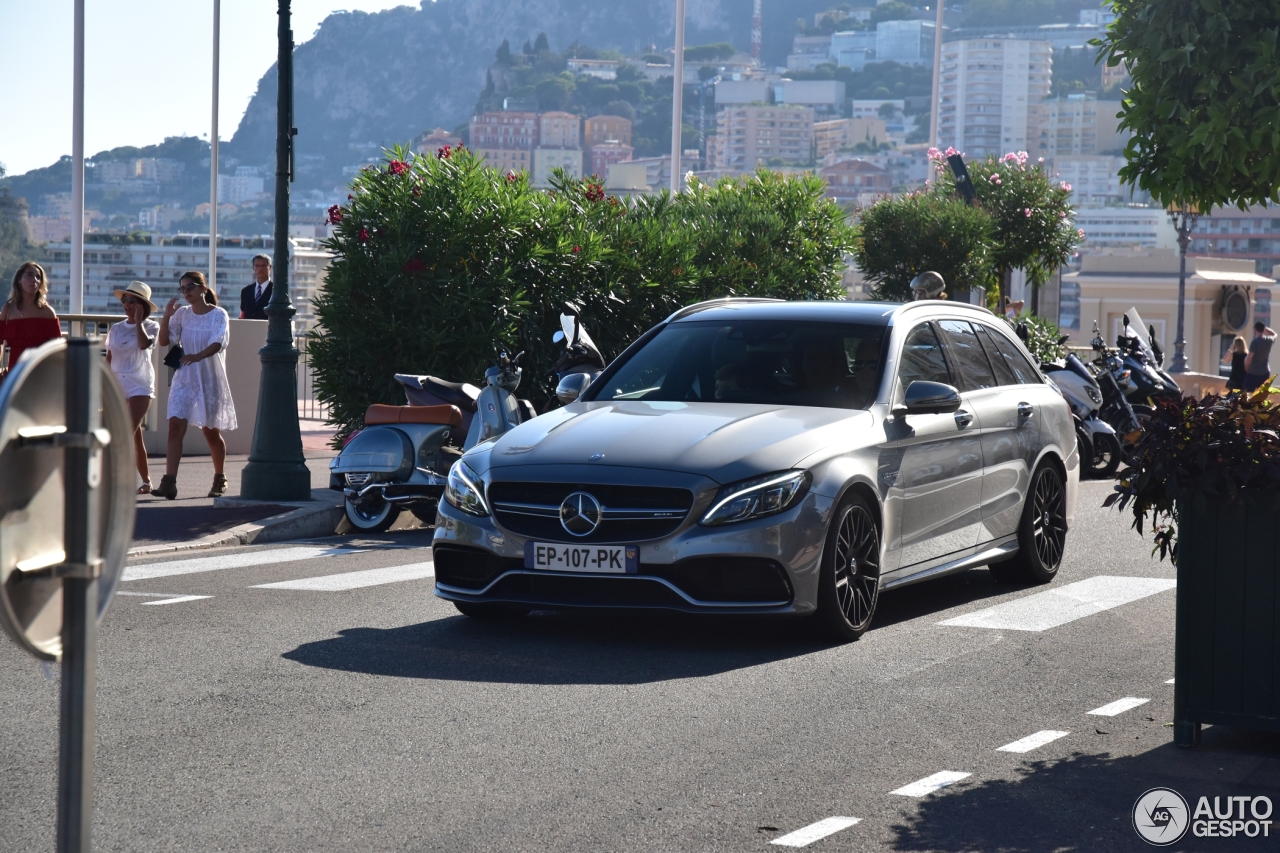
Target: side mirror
[[928, 398], [571, 387], [557, 337]]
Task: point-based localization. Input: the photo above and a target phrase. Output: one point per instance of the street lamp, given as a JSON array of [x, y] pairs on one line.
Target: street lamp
[[277, 470], [1184, 218]]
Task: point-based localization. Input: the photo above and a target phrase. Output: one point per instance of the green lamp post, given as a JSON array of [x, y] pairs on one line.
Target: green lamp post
[[277, 470]]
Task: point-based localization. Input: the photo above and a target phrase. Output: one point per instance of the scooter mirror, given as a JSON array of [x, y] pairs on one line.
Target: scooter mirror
[[557, 337], [571, 387]]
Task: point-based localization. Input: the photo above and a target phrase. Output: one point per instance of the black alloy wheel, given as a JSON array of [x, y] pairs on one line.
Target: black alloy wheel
[[849, 583], [1042, 532], [1106, 456]]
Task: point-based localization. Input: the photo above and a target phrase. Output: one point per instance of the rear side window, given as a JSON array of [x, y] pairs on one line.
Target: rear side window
[[922, 358], [1004, 373], [969, 356], [1015, 360]]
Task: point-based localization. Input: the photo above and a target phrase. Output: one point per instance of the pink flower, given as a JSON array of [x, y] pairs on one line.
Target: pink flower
[[1027, 212], [398, 167], [1080, 233], [414, 265], [443, 153], [577, 249], [511, 177], [363, 236], [594, 192], [1063, 185], [334, 217], [1062, 214]]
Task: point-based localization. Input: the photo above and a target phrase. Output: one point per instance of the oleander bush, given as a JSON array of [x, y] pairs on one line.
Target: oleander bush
[[440, 262]]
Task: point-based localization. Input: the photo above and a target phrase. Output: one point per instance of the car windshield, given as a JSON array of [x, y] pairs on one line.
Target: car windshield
[[780, 362]]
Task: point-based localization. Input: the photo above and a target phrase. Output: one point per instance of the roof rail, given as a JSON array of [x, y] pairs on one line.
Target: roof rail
[[715, 303], [946, 303]]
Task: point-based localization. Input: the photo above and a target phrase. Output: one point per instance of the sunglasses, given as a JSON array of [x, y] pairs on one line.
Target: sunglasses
[[187, 288], [129, 300]]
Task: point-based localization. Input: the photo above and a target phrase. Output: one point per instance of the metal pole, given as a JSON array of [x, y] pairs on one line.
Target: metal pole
[[79, 600], [77, 162], [213, 155], [937, 76], [277, 470], [1184, 221], [677, 99]]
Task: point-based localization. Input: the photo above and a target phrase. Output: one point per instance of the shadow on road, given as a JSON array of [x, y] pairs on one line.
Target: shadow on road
[[935, 596], [564, 648], [1089, 799]]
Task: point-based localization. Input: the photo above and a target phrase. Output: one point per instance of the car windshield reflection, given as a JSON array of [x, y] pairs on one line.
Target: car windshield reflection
[[776, 362]]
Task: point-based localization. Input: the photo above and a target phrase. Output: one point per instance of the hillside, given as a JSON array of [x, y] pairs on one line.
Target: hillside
[[367, 80]]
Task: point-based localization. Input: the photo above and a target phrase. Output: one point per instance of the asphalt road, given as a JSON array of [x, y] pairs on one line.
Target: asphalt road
[[371, 718]]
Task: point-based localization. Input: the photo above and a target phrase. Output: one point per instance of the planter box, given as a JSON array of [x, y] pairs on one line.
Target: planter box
[[1227, 652]]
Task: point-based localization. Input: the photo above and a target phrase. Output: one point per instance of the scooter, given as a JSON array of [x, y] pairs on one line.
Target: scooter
[[401, 459], [1100, 450], [1114, 381], [580, 363], [1149, 381]]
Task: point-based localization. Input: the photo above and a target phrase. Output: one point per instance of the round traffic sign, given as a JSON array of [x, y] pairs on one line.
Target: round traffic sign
[[33, 417]]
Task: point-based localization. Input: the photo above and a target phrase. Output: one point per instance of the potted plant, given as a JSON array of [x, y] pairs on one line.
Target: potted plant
[[1206, 481]]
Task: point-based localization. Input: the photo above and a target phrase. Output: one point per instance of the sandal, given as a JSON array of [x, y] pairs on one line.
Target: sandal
[[168, 488], [219, 486], [145, 488]]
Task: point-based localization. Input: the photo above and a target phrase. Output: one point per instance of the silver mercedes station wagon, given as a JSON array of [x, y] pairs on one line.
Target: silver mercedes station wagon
[[756, 456]]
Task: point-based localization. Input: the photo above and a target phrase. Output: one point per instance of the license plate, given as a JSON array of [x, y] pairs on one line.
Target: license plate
[[609, 559]]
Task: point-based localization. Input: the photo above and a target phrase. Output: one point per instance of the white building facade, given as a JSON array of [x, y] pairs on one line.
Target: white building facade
[[992, 96]]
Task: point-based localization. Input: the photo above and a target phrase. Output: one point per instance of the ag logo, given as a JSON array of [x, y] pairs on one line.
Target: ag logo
[[1161, 817]]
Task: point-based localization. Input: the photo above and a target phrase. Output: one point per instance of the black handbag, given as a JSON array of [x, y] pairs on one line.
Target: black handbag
[[174, 357]]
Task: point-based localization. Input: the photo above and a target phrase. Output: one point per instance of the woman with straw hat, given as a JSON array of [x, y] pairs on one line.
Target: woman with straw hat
[[129, 354]]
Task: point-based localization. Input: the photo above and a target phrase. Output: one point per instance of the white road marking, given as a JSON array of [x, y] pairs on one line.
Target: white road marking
[[355, 580], [177, 599], [929, 784], [814, 831], [1055, 607], [1031, 742], [234, 560], [1119, 706], [1170, 681]]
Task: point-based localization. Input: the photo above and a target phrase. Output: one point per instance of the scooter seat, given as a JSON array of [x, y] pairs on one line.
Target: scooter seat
[[461, 394], [379, 414]]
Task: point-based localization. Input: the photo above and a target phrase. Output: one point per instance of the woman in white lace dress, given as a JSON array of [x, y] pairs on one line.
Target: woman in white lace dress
[[199, 393]]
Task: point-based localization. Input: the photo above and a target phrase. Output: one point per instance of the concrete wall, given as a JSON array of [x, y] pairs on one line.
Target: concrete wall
[[244, 371]]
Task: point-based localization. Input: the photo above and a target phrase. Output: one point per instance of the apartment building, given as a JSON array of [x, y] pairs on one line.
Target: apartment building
[[604, 128], [824, 96], [1094, 179], [602, 155], [834, 135], [1115, 227], [1081, 124], [992, 96], [855, 181], [1251, 234], [905, 42], [747, 136], [110, 263], [505, 139], [433, 141]]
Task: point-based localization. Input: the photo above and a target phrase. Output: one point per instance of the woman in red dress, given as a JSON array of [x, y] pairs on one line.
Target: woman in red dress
[[26, 320]]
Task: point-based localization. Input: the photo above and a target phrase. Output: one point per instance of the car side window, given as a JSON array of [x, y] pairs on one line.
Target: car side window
[[970, 358], [922, 358], [1004, 373], [1015, 360]]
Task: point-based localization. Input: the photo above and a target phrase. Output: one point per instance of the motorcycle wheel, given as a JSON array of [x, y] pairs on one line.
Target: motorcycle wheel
[[1106, 456], [1144, 414], [372, 516]]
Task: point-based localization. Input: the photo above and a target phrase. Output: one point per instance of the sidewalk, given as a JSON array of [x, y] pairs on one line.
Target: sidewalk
[[194, 520]]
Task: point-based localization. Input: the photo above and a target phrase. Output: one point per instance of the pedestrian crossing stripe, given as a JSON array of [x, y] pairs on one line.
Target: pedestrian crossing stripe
[[1055, 607], [233, 560], [356, 580]]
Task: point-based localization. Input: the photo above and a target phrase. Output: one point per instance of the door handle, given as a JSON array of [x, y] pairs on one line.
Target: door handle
[[963, 418], [1025, 410]]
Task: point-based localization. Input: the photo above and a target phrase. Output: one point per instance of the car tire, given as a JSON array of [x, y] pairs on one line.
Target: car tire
[[1042, 532], [849, 579], [491, 610], [1106, 456], [370, 517]]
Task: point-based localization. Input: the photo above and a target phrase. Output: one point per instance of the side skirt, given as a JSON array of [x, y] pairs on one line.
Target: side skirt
[[992, 553]]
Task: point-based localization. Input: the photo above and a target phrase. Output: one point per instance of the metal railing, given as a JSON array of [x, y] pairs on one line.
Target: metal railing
[[79, 325], [309, 407]]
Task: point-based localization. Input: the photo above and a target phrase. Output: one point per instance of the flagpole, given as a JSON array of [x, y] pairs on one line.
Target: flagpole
[[213, 155], [77, 162], [677, 99]]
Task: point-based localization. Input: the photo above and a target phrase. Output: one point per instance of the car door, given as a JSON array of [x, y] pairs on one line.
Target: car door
[[1009, 425], [939, 460]]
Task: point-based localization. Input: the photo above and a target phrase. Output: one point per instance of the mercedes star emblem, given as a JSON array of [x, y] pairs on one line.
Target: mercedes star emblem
[[580, 514]]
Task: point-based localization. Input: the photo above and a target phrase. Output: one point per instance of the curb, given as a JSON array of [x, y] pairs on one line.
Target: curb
[[314, 518]]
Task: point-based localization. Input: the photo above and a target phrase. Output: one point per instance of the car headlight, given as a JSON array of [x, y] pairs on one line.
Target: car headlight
[[756, 497], [464, 490]]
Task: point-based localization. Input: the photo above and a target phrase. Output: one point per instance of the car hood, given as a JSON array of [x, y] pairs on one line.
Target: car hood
[[723, 441]]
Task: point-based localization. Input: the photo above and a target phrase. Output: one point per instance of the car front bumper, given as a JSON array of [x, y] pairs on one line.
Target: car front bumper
[[769, 565]]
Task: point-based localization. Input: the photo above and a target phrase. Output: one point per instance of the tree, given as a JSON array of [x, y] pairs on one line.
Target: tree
[[541, 45], [504, 52], [1204, 104], [894, 10], [899, 237], [1034, 220], [709, 52]]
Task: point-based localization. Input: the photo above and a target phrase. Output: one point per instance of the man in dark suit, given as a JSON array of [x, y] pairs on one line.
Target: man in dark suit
[[254, 297]]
